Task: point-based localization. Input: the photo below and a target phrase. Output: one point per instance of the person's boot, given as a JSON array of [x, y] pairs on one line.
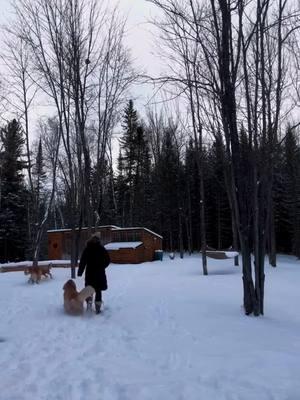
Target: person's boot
[[89, 304], [98, 306]]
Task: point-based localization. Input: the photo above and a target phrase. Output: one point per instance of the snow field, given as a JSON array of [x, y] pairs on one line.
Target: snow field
[[167, 333]]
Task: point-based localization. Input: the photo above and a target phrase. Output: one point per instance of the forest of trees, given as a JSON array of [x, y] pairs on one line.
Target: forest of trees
[[155, 184], [222, 171]]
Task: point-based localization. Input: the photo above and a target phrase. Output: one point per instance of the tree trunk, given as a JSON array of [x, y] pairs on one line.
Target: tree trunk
[[202, 204], [250, 301], [235, 239], [171, 241], [219, 235], [188, 221], [272, 238], [203, 235], [180, 233], [73, 253], [188, 234]]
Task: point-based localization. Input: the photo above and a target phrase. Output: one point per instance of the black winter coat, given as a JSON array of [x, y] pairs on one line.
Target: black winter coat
[[94, 260]]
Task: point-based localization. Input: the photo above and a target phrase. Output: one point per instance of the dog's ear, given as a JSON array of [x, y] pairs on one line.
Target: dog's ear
[[69, 284], [66, 285]]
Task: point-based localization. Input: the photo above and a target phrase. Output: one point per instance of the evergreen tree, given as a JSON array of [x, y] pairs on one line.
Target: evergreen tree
[[219, 229], [37, 200], [106, 209], [13, 198], [39, 174], [168, 190], [287, 201], [121, 190], [192, 199], [128, 154], [142, 179], [134, 167]]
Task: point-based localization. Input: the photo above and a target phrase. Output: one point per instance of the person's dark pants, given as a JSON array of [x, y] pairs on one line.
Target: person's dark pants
[[98, 296]]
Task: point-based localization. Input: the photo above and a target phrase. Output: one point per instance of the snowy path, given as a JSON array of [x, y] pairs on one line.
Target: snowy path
[[167, 333]]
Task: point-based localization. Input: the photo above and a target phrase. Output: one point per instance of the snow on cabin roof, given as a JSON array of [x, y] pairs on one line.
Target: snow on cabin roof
[[231, 254], [16, 264], [29, 263], [83, 229], [122, 245], [113, 228], [138, 228]]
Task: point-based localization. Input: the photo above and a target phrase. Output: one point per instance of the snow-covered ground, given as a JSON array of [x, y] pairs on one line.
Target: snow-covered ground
[[167, 333]]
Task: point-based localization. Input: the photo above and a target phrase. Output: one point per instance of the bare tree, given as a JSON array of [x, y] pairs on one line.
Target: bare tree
[[236, 45], [77, 57], [22, 91], [52, 146], [114, 76], [15, 56]]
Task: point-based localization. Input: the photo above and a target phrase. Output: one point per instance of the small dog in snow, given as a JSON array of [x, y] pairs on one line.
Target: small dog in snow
[[36, 273], [73, 300]]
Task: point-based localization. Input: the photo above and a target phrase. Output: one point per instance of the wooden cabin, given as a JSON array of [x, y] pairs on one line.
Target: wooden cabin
[[125, 245]]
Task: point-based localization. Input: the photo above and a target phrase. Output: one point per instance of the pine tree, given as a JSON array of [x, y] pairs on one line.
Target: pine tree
[[192, 199], [121, 190], [134, 165], [13, 199], [128, 154], [106, 211], [37, 202], [142, 179], [168, 190], [39, 174], [218, 210], [288, 196]]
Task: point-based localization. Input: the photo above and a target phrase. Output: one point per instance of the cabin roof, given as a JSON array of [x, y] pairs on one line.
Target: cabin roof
[[122, 245], [112, 227], [138, 228], [83, 229]]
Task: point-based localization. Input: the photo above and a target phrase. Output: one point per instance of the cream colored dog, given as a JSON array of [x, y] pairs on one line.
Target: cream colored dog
[[73, 300], [36, 273]]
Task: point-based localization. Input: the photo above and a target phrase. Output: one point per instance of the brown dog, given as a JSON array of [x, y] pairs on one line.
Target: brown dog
[[36, 273], [73, 300]]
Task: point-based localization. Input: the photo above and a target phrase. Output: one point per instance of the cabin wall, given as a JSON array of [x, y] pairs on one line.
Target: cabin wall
[[151, 243], [59, 244], [55, 246], [127, 256]]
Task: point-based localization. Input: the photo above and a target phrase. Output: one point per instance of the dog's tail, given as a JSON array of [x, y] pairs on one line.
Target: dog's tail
[[88, 291]]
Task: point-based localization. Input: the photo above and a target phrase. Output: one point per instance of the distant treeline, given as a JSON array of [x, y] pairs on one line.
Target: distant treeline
[[154, 183]]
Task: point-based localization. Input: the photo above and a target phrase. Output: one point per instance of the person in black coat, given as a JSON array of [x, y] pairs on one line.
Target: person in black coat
[[94, 260]]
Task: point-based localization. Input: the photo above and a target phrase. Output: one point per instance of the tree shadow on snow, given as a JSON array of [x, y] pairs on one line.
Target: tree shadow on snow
[[223, 272], [211, 271]]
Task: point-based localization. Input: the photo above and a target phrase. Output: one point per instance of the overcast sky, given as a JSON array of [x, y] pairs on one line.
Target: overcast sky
[[139, 37]]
